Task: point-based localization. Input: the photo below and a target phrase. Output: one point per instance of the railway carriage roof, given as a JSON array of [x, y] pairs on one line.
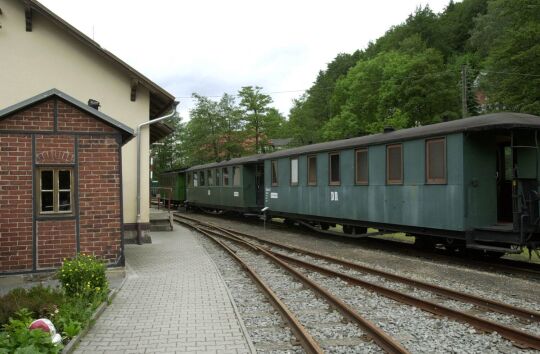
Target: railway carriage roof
[[236, 161], [505, 120], [478, 123]]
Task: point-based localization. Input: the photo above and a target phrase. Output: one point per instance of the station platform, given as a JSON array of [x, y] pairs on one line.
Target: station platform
[[173, 300]]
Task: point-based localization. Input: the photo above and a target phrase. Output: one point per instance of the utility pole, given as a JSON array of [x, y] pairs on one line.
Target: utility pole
[[464, 112]]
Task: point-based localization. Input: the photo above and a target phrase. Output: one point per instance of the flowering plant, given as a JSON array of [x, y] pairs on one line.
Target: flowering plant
[[84, 277]]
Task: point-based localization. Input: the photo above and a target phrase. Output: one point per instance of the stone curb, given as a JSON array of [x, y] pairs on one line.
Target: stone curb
[[72, 345]]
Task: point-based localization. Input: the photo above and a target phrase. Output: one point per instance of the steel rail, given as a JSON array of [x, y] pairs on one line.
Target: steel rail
[[306, 340], [385, 341], [485, 303], [515, 335]]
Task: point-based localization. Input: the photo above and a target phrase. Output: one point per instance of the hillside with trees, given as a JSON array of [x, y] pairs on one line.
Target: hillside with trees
[[475, 57]]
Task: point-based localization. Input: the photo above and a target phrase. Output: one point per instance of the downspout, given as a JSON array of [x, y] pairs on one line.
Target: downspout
[[173, 114]]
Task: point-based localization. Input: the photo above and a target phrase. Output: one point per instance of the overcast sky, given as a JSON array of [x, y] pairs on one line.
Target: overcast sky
[[216, 47]]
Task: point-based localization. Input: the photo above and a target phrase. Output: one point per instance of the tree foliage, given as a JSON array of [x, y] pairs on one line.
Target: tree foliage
[[508, 38], [398, 88], [409, 76], [255, 105]]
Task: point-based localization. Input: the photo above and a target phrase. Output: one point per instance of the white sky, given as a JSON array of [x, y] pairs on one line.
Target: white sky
[[212, 47]]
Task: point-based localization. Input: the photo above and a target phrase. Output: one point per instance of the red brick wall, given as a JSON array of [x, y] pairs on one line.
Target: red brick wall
[[55, 149], [37, 118], [56, 240], [72, 119], [15, 202], [99, 196], [99, 188]]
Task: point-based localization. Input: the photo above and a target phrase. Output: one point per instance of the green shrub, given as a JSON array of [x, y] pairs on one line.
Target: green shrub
[[74, 315], [39, 300], [84, 277], [17, 338]]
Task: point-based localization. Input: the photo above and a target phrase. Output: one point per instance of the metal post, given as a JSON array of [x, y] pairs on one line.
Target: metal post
[[464, 112]]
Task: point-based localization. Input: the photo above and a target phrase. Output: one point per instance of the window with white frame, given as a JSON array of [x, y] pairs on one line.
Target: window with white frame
[[294, 171]]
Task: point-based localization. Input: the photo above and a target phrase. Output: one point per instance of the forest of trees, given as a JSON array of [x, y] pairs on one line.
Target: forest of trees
[[410, 76]]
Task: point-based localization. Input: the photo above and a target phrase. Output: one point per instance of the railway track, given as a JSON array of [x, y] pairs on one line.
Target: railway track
[[316, 293], [399, 289]]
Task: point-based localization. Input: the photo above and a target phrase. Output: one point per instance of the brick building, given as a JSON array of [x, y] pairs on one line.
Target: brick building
[[41, 51], [60, 183]]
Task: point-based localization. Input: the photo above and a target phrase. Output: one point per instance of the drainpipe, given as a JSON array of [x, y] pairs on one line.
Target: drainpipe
[[174, 114]]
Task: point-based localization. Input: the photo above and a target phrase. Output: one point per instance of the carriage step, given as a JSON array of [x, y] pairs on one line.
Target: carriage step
[[476, 246]]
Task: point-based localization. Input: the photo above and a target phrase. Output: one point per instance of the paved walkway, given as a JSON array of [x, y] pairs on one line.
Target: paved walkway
[[173, 300]]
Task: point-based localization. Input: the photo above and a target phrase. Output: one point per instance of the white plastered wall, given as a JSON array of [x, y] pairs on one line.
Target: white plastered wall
[[48, 57]]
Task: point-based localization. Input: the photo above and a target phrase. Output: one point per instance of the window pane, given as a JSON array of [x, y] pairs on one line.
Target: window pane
[[201, 177], [362, 166], [47, 201], [225, 176], [195, 179], [64, 201], [436, 161], [64, 180], [312, 170], [334, 168], [46, 180], [294, 171], [236, 176], [395, 174], [508, 163], [210, 177], [274, 173]]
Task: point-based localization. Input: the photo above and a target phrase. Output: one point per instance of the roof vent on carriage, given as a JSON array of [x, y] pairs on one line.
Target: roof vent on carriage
[[388, 129]]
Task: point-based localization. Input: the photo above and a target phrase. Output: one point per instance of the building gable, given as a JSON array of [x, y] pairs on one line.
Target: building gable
[[55, 111]]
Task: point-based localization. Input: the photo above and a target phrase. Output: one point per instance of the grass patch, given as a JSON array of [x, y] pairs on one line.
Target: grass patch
[[524, 257]]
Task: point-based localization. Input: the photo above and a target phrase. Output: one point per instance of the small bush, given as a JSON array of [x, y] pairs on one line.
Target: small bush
[[39, 300], [84, 277], [74, 315]]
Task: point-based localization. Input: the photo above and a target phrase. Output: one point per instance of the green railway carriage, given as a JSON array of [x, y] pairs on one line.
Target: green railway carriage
[[235, 184], [470, 183], [176, 181]]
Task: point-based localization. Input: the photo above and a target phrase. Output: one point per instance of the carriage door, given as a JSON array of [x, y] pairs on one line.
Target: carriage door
[[504, 182], [259, 178], [525, 180]]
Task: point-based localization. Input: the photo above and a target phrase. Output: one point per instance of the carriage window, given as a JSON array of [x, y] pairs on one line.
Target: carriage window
[[436, 161], [361, 166], [195, 181], [312, 170], [201, 178], [274, 172], [55, 191], [394, 164], [218, 177], [210, 177], [508, 170], [225, 176], [334, 169], [236, 176], [189, 179], [294, 171]]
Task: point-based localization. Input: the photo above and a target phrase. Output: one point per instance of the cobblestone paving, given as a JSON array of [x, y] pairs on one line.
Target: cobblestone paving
[[173, 300]]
